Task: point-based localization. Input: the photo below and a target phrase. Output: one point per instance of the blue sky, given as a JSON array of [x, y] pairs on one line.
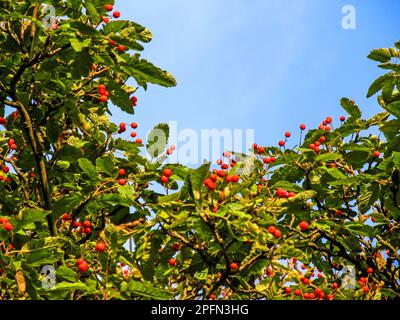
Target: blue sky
[[266, 65]]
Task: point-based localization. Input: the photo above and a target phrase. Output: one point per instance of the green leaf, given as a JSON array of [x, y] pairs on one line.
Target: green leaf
[[157, 140], [66, 286], [148, 290], [394, 108], [78, 44], [27, 216], [381, 55], [91, 11], [350, 108], [145, 72], [107, 165], [66, 273], [89, 169], [379, 83], [326, 157], [197, 178]]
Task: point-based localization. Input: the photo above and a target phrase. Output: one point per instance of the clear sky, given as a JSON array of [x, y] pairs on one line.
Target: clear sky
[[266, 65]]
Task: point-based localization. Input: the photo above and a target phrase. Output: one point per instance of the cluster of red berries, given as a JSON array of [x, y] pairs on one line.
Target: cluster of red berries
[[316, 146], [102, 90], [281, 193], [116, 14], [231, 162], [133, 125], [275, 231], [325, 125], [83, 266], [85, 226], [5, 169], [210, 182], [121, 173], [3, 121], [11, 143], [167, 173], [7, 226], [120, 47], [170, 150]]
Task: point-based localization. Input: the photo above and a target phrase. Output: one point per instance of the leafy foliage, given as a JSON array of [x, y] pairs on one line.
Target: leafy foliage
[[298, 219]]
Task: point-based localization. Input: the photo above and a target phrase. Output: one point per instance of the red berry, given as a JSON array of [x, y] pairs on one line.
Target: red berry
[[164, 179], [213, 177], [10, 142], [139, 141], [116, 14], [109, 7], [121, 48], [376, 154], [80, 261], [83, 267], [134, 125], [172, 262], [134, 101], [234, 266], [167, 172], [342, 118], [224, 166], [112, 43], [335, 285], [7, 226], [271, 229], [6, 169], [88, 230], [318, 291], [281, 143], [121, 172], [302, 126], [122, 182], [297, 292], [328, 120], [106, 19], [370, 270], [366, 289], [65, 217], [311, 146], [100, 246], [133, 134], [219, 162], [76, 224], [176, 246], [103, 98], [287, 134], [221, 173], [322, 139], [304, 225], [277, 233], [288, 290], [86, 224], [3, 121], [330, 296], [235, 178], [13, 146]]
